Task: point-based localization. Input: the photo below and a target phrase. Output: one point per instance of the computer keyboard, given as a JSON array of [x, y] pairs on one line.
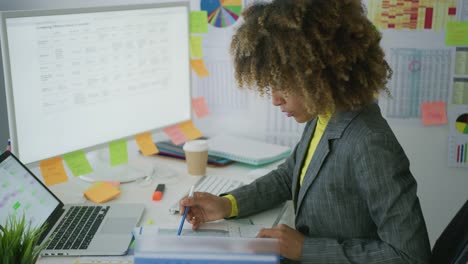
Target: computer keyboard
[[211, 184]]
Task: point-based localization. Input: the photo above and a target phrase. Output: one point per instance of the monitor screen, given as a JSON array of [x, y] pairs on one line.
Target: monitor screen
[[81, 78]]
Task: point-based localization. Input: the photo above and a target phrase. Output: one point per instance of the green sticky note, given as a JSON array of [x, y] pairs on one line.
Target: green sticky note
[[456, 33], [196, 50], [198, 22], [77, 163], [118, 152]]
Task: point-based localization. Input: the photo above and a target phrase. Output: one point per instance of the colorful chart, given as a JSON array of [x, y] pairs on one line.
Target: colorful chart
[[412, 14], [222, 13], [462, 124], [462, 153]]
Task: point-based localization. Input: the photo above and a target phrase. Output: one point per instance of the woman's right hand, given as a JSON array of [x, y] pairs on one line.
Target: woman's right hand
[[204, 207]]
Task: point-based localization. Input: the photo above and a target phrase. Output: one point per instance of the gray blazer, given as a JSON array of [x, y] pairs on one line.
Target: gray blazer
[[357, 202]]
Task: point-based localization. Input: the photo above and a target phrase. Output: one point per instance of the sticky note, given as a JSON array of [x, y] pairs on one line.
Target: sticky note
[[199, 67], [456, 33], [53, 171], [196, 49], [175, 134], [433, 113], [77, 163], [200, 107], [146, 144], [189, 130], [101, 192], [118, 152], [198, 22]]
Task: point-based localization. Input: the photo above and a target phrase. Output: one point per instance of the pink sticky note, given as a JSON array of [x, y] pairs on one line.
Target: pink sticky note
[[200, 107], [434, 113], [176, 135]]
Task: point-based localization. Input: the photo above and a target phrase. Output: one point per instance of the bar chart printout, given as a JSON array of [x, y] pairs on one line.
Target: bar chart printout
[[458, 137]]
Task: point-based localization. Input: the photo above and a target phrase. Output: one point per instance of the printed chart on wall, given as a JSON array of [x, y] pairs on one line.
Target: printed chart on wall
[[222, 13], [412, 14], [419, 75], [458, 136]]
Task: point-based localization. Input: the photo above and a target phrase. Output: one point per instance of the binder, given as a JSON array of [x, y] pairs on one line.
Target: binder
[[245, 150]]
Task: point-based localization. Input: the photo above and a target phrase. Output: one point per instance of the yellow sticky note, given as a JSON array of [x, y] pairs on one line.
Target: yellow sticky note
[[198, 65], [175, 134], [200, 107], [189, 130], [118, 152], [433, 113], [77, 163], [196, 49], [198, 22], [101, 192], [53, 171], [456, 33], [146, 144]]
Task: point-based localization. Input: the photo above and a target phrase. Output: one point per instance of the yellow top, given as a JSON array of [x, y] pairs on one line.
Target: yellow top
[[319, 129]]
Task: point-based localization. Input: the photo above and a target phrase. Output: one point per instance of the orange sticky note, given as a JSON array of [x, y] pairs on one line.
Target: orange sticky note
[[101, 192], [146, 144], [200, 107], [198, 65], [53, 171], [433, 113], [189, 130], [175, 134]]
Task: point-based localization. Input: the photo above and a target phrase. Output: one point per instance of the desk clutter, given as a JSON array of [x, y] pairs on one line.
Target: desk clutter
[[226, 149], [168, 149]]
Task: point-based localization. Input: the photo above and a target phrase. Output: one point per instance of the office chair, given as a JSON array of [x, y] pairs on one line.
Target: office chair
[[452, 245]]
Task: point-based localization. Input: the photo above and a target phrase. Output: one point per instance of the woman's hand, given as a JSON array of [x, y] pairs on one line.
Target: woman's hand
[[290, 240], [204, 207]]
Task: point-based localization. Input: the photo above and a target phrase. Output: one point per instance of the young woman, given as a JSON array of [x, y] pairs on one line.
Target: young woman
[[354, 195]]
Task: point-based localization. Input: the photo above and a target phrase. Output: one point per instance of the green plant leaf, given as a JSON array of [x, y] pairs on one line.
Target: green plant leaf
[[18, 241]]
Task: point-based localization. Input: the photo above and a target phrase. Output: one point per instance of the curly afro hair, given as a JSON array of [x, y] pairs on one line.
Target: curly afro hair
[[324, 50]]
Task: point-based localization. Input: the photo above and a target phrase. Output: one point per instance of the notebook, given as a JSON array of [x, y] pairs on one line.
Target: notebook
[[74, 230], [245, 150]]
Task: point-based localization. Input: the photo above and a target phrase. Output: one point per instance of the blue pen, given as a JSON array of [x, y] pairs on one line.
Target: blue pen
[[185, 213]]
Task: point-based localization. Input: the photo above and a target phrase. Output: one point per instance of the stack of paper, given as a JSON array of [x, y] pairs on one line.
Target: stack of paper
[[205, 249], [245, 150]]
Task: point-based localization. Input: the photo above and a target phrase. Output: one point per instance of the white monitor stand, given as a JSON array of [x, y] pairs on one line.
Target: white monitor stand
[[135, 169]]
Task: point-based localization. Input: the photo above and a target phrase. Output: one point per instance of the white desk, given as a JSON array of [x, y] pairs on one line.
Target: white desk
[[173, 174]]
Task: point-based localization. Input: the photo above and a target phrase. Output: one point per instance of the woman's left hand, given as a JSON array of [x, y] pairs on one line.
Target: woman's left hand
[[290, 240]]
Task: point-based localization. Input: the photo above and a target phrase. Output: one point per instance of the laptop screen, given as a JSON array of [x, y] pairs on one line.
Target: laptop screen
[[22, 193]]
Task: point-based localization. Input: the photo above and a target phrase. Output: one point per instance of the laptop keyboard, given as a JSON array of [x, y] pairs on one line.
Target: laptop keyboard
[[212, 184], [77, 227]]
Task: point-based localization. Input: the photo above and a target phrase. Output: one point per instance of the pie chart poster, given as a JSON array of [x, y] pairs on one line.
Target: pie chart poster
[[458, 136]]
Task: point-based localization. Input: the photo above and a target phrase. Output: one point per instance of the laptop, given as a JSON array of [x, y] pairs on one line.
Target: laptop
[[72, 229]]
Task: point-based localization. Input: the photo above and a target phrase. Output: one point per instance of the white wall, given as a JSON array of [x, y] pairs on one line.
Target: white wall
[[442, 190]]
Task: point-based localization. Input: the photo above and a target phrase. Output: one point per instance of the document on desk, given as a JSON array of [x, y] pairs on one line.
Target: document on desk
[[218, 229], [201, 250]]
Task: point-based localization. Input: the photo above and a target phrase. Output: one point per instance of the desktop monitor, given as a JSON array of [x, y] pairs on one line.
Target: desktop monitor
[[77, 79]]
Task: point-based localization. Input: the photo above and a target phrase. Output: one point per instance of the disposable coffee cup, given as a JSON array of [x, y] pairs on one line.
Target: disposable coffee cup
[[196, 156]]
